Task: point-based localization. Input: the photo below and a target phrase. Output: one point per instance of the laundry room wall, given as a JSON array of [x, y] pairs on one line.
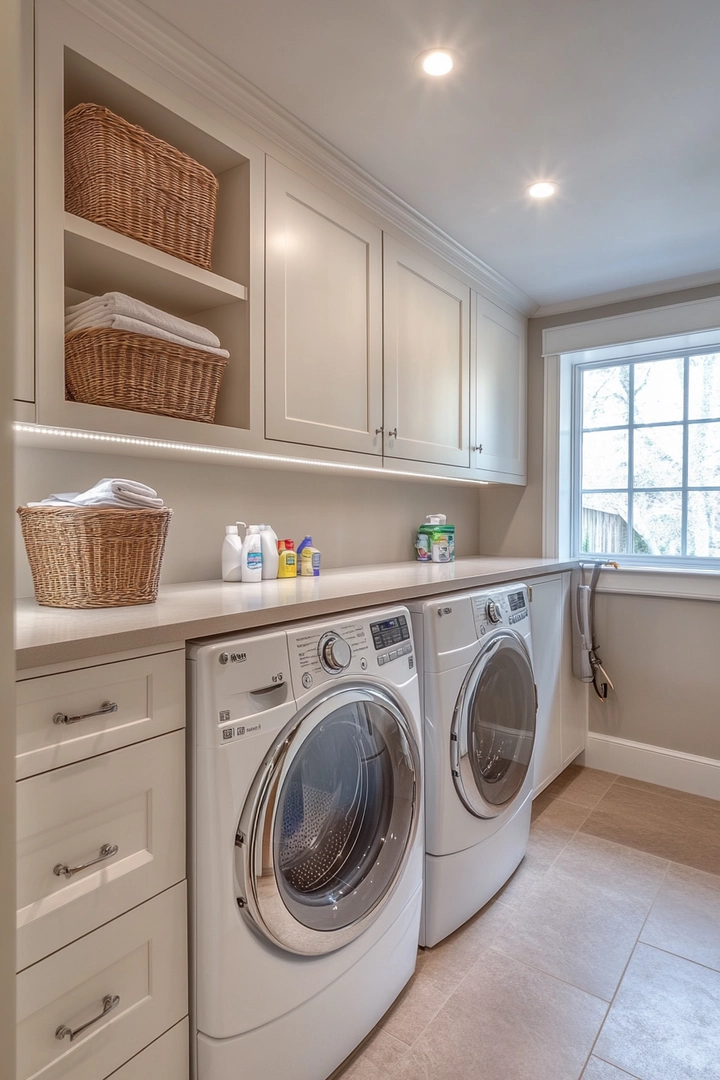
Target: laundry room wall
[[661, 652], [354, 520]]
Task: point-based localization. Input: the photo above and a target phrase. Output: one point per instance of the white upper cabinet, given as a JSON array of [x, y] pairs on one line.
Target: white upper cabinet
[[427, 360], [323, 344], [500, 391]]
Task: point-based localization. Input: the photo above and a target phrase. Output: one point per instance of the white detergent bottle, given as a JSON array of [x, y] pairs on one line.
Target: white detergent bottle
[[232, 553], [251, 559], [270, 556]]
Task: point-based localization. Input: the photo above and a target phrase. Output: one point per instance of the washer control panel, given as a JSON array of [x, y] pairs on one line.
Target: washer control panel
[[359, 645], [503, 607], [389, 632]]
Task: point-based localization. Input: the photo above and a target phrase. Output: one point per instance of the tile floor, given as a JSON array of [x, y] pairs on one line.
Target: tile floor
[[599, 960]]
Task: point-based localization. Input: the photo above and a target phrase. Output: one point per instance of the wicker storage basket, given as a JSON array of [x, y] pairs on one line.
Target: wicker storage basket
[[121, 177], [89, 557], [133, 371]]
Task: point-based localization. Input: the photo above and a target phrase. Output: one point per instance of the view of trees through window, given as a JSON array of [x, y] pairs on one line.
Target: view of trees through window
[[650, 457]]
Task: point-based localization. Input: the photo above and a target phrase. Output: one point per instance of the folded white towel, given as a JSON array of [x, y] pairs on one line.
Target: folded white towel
[[125, 494], [117, 303], [134, 326]]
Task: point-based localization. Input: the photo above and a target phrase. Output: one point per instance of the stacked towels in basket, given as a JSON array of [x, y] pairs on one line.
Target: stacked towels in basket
[[110, 493], [116, 311]]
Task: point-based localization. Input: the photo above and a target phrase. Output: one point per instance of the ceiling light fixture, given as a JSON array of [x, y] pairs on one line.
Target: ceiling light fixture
[[542, 190], [437, 62]]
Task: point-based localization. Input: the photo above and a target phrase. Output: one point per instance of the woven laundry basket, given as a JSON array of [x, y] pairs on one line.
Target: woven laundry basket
[[123, 370], [93, 557], [120, 176]]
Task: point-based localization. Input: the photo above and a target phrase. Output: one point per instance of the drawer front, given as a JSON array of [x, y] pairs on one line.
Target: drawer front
[[148, 695], [133, 800], [168, 1058], [139, 959]]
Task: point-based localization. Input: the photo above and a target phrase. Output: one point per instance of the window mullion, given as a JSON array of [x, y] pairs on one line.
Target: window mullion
[[631, 456], [686, 448]]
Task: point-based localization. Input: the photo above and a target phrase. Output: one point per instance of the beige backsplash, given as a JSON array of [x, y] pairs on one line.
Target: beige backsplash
[[353, 520]]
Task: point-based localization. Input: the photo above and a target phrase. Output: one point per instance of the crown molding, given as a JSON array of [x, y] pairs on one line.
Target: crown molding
[[177, 54], [633, 292]]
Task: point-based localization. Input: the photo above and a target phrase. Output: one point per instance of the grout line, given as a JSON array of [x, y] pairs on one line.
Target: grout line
[[679, 956], [614, 1066], [627, 965], [549, 975]]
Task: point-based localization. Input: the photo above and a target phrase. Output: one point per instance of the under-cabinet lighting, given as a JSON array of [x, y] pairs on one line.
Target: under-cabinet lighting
[[542, 190], [227, 452], [437, 62]]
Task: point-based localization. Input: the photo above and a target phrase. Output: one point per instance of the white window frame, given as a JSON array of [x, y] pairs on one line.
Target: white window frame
[[688, 327], [684, 488]]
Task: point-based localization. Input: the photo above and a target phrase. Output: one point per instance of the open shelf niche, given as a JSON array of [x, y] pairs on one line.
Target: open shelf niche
[[98, 260]]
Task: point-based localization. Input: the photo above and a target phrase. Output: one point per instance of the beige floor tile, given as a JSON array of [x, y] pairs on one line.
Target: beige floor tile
[[524, 881], [577, 931], [506, 1021], [580, 785], [612, 867], [683, 832], [421, 1000], [669, 793], [554, 828], [663, 1023], [601, 1070], [447, 963], [375, 1060], [685, 918]]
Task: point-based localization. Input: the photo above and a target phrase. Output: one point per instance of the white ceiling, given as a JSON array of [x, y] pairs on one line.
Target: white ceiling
[[616, 100]]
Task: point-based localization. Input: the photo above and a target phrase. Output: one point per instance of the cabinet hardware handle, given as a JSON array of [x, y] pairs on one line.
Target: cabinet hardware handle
[[478, 448], [110, 1002], [379, 430], [392, 434], [106, 852], [106, 707]]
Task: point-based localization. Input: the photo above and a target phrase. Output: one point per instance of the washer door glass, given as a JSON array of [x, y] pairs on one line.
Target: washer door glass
[[494, 726], [334, 821]]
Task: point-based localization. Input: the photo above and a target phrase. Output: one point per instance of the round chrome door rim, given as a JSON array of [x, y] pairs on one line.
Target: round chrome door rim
[[460, 764], [261, 900]]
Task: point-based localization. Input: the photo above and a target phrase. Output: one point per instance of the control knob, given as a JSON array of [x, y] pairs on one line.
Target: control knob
[[493, 612], [334, 652]]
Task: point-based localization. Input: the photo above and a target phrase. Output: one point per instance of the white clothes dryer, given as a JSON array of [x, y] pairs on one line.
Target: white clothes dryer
[[306, 842], [479, 705]]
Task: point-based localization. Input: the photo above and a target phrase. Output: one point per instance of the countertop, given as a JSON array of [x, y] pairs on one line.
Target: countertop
[[46, 635]]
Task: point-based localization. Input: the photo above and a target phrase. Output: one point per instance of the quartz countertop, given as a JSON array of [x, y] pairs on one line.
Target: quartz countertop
[[203, 608]]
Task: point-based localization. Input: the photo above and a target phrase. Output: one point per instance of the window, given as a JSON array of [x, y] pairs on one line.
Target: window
[[647, 457]]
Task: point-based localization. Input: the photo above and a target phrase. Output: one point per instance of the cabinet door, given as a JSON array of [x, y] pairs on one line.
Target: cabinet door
[[427, 360], [323, 318], [575, 694], [500, 378], [546, 615]]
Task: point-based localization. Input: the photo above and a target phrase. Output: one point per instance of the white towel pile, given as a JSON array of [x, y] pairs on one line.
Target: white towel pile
[[117, 311], [121, 494]]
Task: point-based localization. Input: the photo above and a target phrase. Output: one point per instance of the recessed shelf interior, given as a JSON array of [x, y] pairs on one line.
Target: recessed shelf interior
[[98, 260]]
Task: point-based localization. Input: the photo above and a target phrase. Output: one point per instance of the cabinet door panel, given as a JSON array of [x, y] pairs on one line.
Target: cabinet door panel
[[500, 390], [546, 614], [323, 318], [426, 330]]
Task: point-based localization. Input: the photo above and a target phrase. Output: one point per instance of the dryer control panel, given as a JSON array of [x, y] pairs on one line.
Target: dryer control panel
[[506, 606]]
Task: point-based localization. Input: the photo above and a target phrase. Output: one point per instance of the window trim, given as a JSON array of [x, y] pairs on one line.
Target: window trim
[[564, 345], [583, 364]]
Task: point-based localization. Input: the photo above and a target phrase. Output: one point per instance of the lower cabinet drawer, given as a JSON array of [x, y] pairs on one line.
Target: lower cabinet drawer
[[95, 839], [87, 1009], [168, 1058]]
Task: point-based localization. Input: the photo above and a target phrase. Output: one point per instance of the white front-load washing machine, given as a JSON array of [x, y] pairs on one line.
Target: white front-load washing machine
[[306, 842], [479, 705]]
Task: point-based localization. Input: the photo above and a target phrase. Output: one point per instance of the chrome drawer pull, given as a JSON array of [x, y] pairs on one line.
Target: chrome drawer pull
[[110, 1002], [106, 852], [106, 707]]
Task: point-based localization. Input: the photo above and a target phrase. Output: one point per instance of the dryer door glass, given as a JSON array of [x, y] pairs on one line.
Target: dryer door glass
[[338, 820], [494, 728]]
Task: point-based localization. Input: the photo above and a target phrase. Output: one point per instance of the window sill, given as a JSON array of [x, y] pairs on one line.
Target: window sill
[[680, 582]]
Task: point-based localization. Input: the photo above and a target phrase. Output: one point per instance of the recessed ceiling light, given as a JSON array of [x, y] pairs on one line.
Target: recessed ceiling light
[[542, 190], [437, 62]]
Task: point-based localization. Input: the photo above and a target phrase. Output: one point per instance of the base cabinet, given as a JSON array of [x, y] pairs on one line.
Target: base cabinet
[[562, 699]]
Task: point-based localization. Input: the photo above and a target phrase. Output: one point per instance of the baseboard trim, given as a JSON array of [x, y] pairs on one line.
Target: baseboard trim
[[654, 764]]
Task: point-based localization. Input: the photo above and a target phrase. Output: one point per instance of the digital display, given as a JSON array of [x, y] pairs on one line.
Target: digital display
[[517, 601], [389, 632]]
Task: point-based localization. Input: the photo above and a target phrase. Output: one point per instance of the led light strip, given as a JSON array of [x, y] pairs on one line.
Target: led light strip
[[220, 451]]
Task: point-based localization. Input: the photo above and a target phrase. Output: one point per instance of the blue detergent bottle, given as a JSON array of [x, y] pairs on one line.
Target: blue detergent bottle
[[307, 542]]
